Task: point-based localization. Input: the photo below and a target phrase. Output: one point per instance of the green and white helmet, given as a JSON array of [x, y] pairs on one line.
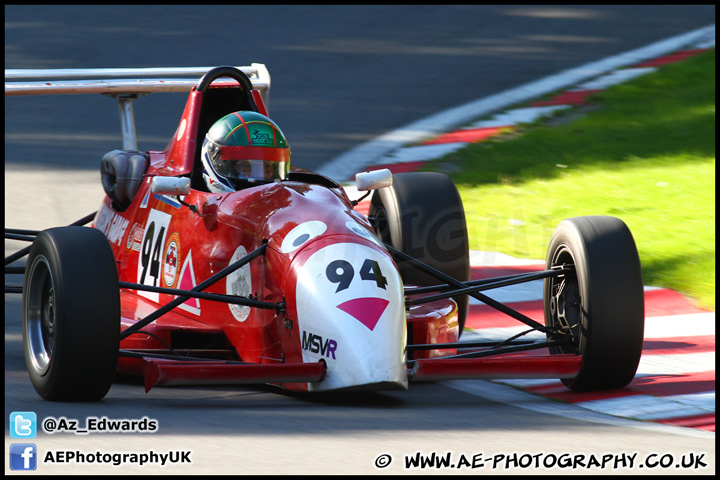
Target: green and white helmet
[[244, 147]]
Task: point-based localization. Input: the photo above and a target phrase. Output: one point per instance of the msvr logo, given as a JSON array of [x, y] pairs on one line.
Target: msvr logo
[[315, 344]]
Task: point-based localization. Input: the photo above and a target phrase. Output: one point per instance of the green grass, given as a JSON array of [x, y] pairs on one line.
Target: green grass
[[646, 155]]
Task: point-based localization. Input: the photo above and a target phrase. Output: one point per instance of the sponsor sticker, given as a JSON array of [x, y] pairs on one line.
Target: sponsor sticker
[[134, 240], [239, 283], [320, 345], [171, 259], [112, 224]]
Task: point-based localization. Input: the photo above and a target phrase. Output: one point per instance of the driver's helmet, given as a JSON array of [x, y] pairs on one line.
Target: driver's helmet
[[243, 147]]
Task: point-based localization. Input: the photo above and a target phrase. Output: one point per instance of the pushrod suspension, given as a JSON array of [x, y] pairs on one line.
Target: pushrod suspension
[[477, 295], [21, 253], [480, 285], [216, 297]]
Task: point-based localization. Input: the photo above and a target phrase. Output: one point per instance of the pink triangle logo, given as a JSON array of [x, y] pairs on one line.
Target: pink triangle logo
[[367, 310]]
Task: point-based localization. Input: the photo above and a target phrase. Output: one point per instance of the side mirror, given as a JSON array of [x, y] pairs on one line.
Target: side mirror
[[170, 185], [373, 180]]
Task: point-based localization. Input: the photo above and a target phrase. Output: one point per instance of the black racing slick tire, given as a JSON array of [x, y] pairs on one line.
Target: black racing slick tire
[[422, 215], [602, 303], [71, 314]]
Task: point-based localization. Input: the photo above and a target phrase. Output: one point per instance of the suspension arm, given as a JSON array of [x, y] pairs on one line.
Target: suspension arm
[[481, 285], [477, 295], [198, 288]]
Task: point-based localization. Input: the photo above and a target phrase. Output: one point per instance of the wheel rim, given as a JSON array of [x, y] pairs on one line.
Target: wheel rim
[[40, 324], [565, 302]]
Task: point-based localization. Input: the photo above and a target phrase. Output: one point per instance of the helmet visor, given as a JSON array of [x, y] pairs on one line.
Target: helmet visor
[[253, 163]]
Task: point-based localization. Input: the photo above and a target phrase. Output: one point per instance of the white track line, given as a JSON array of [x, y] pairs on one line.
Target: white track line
[[519, 115]]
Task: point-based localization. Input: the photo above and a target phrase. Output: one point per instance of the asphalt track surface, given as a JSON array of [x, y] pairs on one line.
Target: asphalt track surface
[[341, 76]]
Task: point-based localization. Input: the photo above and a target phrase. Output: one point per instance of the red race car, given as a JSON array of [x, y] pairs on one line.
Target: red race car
[[215, 261]]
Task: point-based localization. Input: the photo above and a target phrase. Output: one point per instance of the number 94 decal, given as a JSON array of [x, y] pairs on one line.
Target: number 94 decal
[[151, 251], [342, 273]]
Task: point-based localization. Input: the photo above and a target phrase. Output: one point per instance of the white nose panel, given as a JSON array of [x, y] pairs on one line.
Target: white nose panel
[[351, 314]]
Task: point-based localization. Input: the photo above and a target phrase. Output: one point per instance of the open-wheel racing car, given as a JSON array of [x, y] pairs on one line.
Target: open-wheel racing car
[[279, 279]]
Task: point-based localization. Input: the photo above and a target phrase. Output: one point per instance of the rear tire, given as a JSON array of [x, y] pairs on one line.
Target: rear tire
[[602, 302], [71, 314], [422, 215]]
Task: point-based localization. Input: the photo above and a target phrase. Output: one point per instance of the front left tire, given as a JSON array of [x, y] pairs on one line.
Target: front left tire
[[422, 215], [71, 314]]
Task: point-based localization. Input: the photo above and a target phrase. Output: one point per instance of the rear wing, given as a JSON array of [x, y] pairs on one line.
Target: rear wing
[[125, 84]]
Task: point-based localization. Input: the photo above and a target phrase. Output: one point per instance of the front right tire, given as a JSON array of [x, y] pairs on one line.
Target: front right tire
[[601, 306]]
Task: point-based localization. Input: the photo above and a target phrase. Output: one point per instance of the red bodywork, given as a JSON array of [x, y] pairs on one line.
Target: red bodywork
[[159, 242]]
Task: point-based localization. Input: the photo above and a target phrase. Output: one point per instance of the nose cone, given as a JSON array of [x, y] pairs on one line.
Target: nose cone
[[350, 312]]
